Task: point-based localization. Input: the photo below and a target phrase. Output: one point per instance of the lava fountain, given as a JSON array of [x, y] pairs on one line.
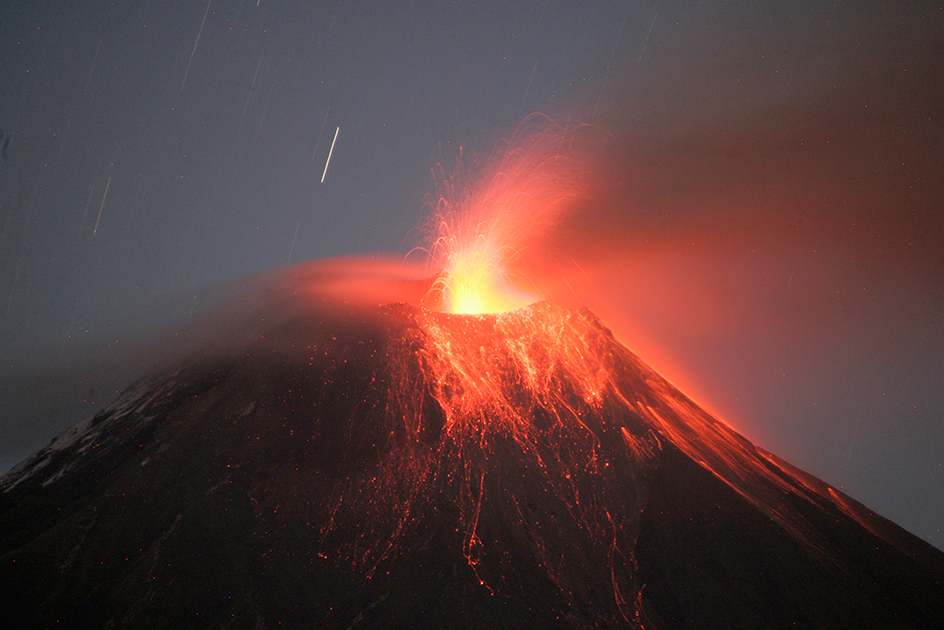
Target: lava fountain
[[485, 226]]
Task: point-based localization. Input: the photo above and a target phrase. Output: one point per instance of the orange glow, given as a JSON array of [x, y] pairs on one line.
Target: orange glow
[[475, 280], [523, 412], [537, 419], [484, 228]]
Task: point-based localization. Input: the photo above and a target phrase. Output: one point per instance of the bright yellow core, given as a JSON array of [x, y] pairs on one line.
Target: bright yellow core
[[475, 282]]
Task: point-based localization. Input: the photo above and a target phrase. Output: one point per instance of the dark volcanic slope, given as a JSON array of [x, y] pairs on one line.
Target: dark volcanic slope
[[398, 468]]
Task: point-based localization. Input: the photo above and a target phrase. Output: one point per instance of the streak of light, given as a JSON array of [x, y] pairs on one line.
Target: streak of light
[[320, 131], [89, 200], [101, 207], [292, 248], [619, 34], [528, 89], [92, 69], [195, 44], [600, 97], [655, 14], [328, 161], [543, 10], [253, 84]]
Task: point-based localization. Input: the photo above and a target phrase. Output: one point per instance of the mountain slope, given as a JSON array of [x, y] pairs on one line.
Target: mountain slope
[[397, 467]]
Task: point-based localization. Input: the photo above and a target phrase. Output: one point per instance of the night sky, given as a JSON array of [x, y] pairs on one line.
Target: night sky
[[766, 229]]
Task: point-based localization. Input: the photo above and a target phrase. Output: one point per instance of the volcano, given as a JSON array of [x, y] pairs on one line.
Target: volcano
[[397, 467]]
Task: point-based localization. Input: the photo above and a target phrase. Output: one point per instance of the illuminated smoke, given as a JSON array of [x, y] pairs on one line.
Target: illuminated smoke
[[486, 225]]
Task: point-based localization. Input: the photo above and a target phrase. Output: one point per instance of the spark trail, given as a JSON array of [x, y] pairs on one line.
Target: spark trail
[[330, 152], [101, 207], [195, 44]]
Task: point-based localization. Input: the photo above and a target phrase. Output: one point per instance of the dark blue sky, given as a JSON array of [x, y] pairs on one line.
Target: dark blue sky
[[770, 232]]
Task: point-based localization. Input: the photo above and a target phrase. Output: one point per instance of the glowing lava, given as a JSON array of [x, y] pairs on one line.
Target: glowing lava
[[475, 281]]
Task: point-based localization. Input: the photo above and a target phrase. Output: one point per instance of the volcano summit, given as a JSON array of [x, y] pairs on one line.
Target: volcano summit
[[395, 467]]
